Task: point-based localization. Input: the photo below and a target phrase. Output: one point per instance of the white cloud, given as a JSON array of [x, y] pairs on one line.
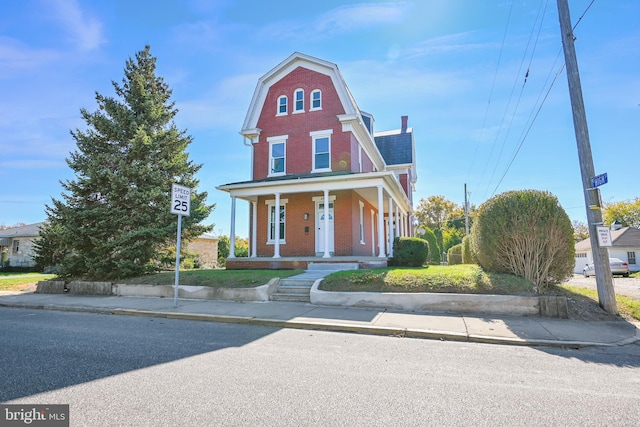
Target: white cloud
[[82, 28]]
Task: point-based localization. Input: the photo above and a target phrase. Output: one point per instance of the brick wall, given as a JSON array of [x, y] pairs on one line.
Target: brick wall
[[297, 126]]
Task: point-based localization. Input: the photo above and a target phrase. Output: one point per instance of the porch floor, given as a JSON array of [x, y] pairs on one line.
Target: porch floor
[[302, 263]]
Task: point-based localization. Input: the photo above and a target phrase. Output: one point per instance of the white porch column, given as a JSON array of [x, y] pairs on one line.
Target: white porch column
[[254, 230], [232, 232], [381, 253], [276, 220], [391, 226], [398, 231], [326, 225]]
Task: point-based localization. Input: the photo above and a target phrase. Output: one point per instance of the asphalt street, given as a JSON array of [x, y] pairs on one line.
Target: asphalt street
[[137, 371]]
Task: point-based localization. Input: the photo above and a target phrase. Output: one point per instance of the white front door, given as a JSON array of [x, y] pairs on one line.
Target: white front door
[[320, 227]]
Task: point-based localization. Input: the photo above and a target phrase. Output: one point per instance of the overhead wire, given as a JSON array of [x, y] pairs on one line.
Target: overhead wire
[[537, 112]]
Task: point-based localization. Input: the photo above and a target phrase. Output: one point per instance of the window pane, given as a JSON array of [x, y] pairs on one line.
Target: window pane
[[282, 105], [316, 99], [322, 161], [278, 165], [277, 150], [299, 100], [322, 145]]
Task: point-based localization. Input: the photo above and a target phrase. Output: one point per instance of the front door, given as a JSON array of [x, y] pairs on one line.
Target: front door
[[320, 228]]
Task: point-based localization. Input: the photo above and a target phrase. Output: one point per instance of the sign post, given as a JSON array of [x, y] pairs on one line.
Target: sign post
[[181, 206]]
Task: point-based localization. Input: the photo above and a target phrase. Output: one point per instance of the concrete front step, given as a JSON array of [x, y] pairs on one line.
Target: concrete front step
[[290, 297]]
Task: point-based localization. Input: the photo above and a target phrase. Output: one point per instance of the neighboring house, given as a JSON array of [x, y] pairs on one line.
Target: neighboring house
[[16, 245], [206, 246], [323, 183], [625, 245]]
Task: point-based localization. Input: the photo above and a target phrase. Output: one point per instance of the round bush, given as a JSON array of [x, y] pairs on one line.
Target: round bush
[[526, 233]]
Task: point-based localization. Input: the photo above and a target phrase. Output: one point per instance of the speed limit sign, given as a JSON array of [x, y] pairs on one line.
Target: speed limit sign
[[180, 200]]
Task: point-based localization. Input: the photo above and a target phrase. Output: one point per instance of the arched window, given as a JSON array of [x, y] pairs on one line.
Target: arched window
[[282, 105], [316, 100], [299, 101]]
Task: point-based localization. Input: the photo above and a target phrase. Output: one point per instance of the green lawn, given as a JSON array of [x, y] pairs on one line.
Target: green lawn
[[17, 281], [464, 278]]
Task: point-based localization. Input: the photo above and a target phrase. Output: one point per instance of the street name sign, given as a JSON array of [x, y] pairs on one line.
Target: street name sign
[[599, 180]]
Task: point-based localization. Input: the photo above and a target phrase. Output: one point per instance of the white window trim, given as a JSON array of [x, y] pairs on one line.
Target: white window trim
[[311, 107], [286, 112], [281, 139], [316, 135], [362, 242], [295, 101], [270, 204]]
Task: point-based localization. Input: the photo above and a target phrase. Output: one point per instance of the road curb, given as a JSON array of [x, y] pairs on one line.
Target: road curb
[[326, 326]]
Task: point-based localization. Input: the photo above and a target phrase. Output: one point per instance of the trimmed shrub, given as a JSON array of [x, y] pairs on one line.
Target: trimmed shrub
[[409, 252], [468, 253], [454, 254], [434, 256], [526, 233]]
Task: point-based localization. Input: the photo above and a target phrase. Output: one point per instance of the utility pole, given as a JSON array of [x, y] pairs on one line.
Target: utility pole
[[466, 211], [606, 293]]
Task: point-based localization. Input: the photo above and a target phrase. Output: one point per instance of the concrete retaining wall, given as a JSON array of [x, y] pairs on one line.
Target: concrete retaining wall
[[459, 303]]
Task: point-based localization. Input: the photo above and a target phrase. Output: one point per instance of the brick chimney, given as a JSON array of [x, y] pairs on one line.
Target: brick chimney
[[405, 119]]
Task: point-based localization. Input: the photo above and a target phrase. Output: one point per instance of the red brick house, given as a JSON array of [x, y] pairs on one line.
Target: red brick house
[[311, 144]]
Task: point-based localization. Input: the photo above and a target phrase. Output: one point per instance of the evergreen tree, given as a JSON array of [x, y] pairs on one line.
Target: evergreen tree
[[114, 219]]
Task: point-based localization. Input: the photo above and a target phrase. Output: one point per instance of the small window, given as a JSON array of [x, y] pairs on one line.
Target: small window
[[282, 105], [631, 256], [16, 246], [299, 101], [272, 223], [362, 242], [277, 155], [321, 150], [316, 100]]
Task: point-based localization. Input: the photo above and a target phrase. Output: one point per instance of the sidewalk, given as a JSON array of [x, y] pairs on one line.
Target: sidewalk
[[513, 330]]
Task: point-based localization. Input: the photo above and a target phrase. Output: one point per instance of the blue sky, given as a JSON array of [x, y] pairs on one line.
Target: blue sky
[[457, 68]]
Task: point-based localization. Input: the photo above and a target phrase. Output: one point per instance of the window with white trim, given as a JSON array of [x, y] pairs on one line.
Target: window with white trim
[[298, 99], [316, 100], [362, 242], [631, 256], [277, 155], [281, 221], [321, 146], [282, 105]]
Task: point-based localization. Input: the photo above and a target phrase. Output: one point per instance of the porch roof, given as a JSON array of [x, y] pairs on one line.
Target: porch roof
[[364, 183]]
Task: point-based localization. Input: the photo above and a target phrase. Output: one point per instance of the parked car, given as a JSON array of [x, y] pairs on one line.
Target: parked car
[[617, 267]]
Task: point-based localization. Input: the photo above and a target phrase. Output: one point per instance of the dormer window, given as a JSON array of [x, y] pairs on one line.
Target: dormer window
[[299, 101], [282, 105], [316, 100]]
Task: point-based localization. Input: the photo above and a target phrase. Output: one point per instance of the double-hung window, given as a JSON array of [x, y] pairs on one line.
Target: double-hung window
[[316, 100], [298, 99], [277, 155], [321, 145], [282, 106], [277, 218]]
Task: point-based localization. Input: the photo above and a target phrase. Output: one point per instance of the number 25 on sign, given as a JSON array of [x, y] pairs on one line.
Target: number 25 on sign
[[180, 200]]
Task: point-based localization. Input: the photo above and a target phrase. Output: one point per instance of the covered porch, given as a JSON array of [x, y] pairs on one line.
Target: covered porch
[[388, 214]]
